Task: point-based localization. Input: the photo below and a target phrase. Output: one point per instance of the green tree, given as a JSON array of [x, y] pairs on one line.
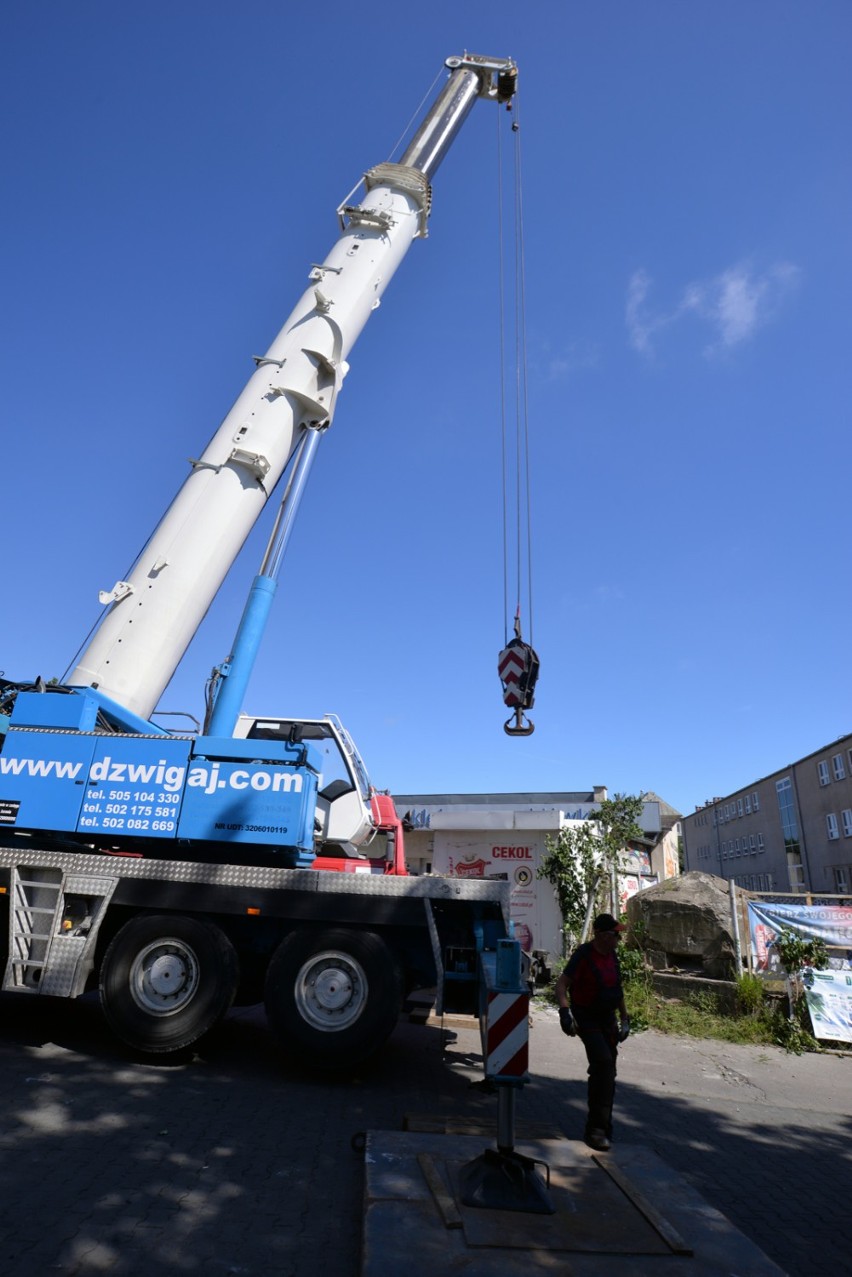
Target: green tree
[[797, 955], [582, 860]]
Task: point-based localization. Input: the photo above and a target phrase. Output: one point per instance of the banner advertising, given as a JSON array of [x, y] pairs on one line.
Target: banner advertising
[[829, 998], [830, 923], [828, 993]]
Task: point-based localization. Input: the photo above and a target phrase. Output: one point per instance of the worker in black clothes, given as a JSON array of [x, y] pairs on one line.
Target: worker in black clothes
[[591, 1005]]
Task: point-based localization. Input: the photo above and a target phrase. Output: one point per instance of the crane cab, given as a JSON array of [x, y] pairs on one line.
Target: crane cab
[[344, 814]]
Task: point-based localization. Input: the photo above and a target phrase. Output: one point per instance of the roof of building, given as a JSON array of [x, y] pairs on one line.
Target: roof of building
[[666, 809], [494, 800]]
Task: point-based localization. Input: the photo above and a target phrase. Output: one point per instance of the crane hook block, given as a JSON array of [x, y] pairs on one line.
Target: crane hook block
[[518, 666]]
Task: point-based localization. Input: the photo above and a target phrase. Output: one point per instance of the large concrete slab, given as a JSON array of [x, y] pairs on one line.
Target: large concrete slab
[[624, 1211]]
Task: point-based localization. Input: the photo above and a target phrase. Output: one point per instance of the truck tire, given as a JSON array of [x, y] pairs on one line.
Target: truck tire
[[165, 981], [332, 997]]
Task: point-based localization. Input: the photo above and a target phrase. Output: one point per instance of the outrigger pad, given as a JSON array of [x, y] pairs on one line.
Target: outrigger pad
[[504, 1181]]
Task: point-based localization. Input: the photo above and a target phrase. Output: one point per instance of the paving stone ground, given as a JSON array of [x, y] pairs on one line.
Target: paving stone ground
[[237, 1162]]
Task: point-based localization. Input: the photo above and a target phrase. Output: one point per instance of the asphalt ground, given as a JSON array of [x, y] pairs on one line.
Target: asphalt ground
[[235, 1161]]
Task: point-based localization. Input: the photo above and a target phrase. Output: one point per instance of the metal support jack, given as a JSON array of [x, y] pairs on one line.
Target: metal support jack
[[501, 1178]]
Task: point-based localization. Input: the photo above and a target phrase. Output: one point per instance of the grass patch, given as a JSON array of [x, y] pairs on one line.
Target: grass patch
[[756, 1021], [696, 1016]]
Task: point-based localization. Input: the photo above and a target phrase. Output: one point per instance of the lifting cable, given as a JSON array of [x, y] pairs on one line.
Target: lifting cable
[[518, 663]]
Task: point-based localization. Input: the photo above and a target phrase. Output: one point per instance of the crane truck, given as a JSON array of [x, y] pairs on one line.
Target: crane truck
[[179, 872]]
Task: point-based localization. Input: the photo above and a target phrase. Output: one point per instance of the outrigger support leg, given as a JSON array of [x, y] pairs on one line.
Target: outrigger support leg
[[501, 1178]]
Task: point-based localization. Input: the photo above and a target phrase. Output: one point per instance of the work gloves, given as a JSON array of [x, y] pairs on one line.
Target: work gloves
[[566, 1022], [568, 1025]]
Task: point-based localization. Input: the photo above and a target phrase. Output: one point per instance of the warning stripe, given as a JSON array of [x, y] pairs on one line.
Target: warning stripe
[[507, 1035], [511, 668]]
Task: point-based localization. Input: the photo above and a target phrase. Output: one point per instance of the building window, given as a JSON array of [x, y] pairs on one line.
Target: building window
[[822, 772], [841, 880], [737, 845], [831, 825], [739, 806], [790, 829], [796, 875], [748, 804], [760, 842], [838, 768], [755, 800], [847, 822], [787, 812], [752, 845]]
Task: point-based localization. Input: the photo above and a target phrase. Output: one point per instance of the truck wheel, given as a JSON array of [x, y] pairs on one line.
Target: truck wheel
[[332, 997], [166, 980]]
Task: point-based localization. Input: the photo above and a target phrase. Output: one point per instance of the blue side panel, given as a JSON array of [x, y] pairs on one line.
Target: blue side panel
[[42, 778], [55, 709], [135, 786], [162, 787], [120, 718], [231, 749], [249, 802]]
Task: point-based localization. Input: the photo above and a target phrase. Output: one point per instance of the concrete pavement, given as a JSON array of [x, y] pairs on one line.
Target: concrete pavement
[[763, 1135], [236, 1162]]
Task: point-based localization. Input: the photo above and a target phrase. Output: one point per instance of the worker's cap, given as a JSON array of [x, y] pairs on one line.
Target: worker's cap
[[606, 922]]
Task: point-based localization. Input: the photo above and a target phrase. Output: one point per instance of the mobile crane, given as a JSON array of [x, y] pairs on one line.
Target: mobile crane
[[179, 872]]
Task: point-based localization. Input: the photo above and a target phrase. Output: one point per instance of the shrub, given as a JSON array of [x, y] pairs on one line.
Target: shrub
[[750, 994]]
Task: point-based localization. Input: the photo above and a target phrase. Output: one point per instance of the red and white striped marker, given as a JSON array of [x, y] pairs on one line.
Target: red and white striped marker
[[510, 668], [507, 1035]]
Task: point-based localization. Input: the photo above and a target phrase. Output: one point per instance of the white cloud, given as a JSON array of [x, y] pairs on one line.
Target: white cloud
[[639, 326], [734, 305]]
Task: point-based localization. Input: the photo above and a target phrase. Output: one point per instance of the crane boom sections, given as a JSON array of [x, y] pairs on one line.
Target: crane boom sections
[[153, 614]]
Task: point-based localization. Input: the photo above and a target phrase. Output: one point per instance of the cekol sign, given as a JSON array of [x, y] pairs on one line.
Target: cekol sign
[[534, 911]]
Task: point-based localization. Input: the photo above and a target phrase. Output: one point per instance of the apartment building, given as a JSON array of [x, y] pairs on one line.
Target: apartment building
[[790, 831]]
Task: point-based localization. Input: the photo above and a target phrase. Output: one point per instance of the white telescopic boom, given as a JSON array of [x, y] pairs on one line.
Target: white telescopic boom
[[153, 614]]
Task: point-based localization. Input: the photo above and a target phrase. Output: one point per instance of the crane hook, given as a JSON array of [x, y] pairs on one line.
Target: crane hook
[[518, 667]]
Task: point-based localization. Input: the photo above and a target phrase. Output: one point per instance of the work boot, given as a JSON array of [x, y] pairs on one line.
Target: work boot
[[597, 1140]]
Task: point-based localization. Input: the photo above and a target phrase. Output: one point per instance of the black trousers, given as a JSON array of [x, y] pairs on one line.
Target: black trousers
[[601, 1043]]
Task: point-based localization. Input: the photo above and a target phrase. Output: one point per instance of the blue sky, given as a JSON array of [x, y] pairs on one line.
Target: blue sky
[[171, 171]]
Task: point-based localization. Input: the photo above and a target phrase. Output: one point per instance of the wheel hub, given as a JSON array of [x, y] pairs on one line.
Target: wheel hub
[[164, 977], [167, 975], [331, 991]]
